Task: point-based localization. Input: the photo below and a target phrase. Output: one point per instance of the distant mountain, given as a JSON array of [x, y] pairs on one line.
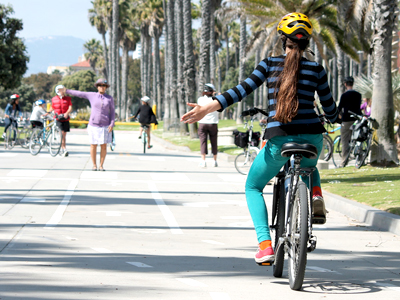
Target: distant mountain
[[52, 51]]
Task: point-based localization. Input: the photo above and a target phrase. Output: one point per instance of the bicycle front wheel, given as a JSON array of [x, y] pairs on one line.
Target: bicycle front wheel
[[35, 143], [337, 151], [55, 141], [363, 152], [244, 161], [327, 148], [279, 199], [298, 237]]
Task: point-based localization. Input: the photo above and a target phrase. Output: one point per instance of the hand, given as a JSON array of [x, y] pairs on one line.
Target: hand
[[66, 115], [195, 115], [7, 116], [110, 128]]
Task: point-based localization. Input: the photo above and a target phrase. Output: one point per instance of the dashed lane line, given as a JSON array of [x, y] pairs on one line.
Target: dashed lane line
[[138, 264], [57, 216], [102, 250], [167, 214]]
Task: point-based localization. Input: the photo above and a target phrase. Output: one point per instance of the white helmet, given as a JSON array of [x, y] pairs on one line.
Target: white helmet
[[60, 86], [145, 99], [209, 87]]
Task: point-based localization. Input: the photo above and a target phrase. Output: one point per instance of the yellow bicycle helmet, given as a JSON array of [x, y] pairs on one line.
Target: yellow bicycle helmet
[[296, 26]]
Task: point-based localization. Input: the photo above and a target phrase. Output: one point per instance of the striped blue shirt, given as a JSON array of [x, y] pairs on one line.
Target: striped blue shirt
[[312, 79]]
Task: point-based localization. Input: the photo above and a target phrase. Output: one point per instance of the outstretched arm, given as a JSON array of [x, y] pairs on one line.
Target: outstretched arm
[[79, 94], [198, 112]]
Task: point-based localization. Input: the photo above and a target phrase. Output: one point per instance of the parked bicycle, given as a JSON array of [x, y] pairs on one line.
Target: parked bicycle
[[292, 217], [361, 139], [14, 136], [249, 141], [49, 136]]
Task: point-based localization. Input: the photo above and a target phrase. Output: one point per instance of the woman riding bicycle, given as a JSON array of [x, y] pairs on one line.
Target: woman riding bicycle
[[10, 112], [292, 81]]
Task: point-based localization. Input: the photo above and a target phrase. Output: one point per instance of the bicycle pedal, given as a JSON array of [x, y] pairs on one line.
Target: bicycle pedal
[[264, 264]]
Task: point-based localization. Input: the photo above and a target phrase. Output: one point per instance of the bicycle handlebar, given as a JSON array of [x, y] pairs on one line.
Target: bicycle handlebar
[[253, 111]]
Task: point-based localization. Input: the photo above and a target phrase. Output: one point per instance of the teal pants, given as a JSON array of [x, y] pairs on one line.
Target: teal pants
[[267, 164]]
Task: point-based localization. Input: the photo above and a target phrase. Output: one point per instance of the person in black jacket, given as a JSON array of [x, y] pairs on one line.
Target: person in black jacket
[[146, 116], [349, 101]]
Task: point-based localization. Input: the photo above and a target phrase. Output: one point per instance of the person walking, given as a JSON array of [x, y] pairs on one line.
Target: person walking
[[349, 101], [366, 106], [101, 121], [62, 106], [146, 117], [292, 81], [208, 126], [10, 113]]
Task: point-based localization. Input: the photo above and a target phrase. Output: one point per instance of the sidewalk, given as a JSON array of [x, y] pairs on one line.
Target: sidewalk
[[362, 213]]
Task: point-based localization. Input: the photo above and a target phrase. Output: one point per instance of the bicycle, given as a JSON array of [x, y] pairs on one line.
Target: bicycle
[[337, 149], [292, 217], [243, 161], [112, 144], [144, 137], [361, 139], [15, 136], [50, 136]]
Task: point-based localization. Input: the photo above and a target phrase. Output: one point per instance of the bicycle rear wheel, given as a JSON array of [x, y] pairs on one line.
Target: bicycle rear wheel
[[298, 237], [144, 141], [35, 143], [24, 136], [55, 141], [8, 144], [244, 161], [363, 152], [337, 151], [279, 203], [327, 148]]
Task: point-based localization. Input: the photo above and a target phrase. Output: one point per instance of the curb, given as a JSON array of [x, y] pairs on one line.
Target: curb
[[366, 214]]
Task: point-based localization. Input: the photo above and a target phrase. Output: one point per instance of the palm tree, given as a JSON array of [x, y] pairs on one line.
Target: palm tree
[[189, 61], [114, 47], [94, 54], [204, 43], [382, 98], [97, 20]]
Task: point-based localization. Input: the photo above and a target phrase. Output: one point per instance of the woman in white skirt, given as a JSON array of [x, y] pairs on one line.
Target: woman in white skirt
[[101, 121]]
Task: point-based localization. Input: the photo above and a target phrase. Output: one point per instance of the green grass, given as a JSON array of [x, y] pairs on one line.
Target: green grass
[[376, 187]]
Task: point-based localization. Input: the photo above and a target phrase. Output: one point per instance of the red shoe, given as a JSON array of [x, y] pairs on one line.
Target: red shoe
[[266, 255]]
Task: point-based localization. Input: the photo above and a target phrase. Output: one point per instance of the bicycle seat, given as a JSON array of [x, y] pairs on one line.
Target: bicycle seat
[[307, 150]]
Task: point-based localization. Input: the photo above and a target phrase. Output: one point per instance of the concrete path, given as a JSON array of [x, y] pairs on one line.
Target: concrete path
[[156, 226]]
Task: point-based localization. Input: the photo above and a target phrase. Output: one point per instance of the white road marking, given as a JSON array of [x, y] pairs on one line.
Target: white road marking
[[219, 296], [8, 154], [70, 238], [102, 250], [152, 158], [11, 180], [191, 282], [99, 175], [27, 173], [235, 217], [149, 230], [234, 177], [318, 269], [33, 199], [249, 223], [10, 197], [212, 242], [138, 264], [113, 214], [56, 218], [207, 204], [169, 177], [388, 285], [114, 183], [168, 216]]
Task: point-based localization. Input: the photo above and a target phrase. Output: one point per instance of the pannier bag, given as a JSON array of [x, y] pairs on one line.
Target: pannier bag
[[255, 139], [360, 131], [241, 138]]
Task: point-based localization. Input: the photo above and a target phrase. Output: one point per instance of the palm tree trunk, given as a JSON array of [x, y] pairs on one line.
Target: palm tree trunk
[[204, 43], [240, 105], [189, 65], [156, 63], [118, 81], [227, 51], [382, 97], [167, 101], [212, 43], [172, 61], [142, 60], [105, 55], [115, 20], [124, 82], [340, 70], [148, 64]]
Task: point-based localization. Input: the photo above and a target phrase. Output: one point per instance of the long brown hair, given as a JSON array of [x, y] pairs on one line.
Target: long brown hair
[[287, 103]]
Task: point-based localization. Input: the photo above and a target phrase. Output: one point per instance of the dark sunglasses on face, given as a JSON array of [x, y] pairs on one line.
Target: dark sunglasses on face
[[102, 85]]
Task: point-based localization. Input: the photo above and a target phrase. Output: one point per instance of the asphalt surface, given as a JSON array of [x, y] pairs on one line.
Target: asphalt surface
[[156, 226]]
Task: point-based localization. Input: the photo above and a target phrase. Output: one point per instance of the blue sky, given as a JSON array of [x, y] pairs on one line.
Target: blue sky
[[54, 18]]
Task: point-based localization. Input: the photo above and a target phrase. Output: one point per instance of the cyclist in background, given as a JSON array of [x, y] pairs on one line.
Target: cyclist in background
[[10, 112], [38, 111], [62, 105], [292, 81], [146, 116]]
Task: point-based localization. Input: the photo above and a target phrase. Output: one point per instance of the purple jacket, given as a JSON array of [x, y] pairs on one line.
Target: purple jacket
[[103, 109]]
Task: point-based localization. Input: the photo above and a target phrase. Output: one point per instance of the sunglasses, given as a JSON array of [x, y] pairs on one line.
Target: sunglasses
[[102, 85]]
